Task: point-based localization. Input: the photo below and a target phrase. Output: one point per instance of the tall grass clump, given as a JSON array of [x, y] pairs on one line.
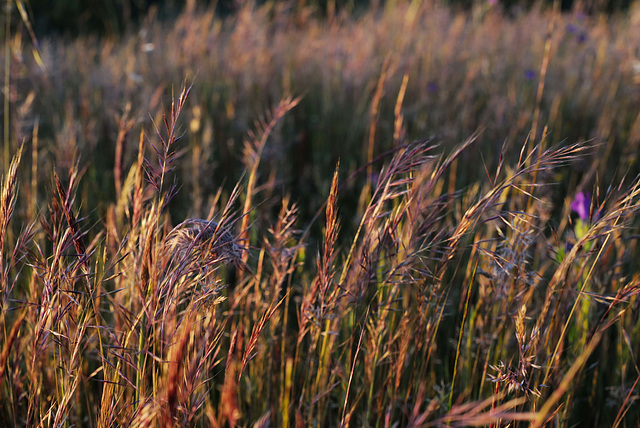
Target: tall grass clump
[[424, 237]]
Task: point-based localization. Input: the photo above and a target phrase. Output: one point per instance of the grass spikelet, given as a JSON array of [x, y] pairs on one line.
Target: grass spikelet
[[7, 204], [71, 219]]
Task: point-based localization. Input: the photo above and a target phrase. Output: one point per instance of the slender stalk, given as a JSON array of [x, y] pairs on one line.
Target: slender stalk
[[464, 319], [7, 81]]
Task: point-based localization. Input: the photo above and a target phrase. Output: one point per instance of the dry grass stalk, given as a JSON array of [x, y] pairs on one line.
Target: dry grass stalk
[[321, 301], [253, 149], [7, 203]]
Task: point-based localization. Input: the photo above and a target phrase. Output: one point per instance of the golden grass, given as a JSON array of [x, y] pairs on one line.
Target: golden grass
[[447, 282]]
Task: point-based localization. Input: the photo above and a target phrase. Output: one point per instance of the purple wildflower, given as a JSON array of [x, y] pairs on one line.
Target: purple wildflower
[[582, 205], [567, 247], [529, 74], [374, 179], [580, 34], [432, 86]]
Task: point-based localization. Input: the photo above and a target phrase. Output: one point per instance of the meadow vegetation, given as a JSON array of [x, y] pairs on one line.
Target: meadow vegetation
[[407, 215]]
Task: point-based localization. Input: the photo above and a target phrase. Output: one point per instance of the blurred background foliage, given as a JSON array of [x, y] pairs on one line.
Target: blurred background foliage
[[73, 17], [91, 75]]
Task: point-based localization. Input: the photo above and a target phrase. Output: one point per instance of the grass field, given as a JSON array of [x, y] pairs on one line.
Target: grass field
[[401, 216]]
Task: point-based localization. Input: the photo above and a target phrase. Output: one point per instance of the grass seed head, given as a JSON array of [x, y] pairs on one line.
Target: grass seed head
[[202, 241]]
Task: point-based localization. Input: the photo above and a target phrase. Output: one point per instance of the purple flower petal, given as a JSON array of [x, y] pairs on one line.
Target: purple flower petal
[[582, 205], [530, 74], [571, 28]]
